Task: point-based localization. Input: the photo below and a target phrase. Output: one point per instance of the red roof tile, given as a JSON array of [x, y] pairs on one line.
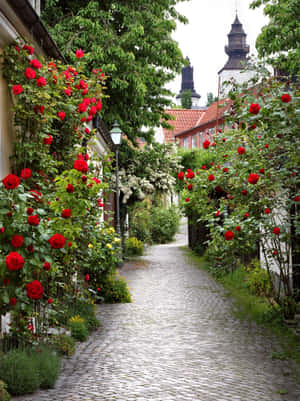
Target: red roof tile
[[185, 119]]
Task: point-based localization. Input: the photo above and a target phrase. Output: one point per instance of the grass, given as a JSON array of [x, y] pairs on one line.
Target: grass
[[252, 307]]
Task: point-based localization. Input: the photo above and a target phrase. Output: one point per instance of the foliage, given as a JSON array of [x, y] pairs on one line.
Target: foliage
[[259, 281], [279, 39], [164, 224], [139, 221], [4, 396], [186, 99], [133, 45], [133, 247], [53, 238], [82, 309], [63, 344], [211, 99], [239, 196], [78, 328], [25, 371], [115, 290]]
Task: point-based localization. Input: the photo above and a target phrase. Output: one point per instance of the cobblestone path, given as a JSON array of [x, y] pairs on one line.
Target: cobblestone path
[[177, 341]]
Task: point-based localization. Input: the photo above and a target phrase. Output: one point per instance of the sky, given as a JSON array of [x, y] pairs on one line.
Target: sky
[[204, 37]]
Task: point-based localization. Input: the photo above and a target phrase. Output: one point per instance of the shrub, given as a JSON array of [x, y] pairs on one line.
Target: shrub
[[78, 328], [164, 224], [259, 282], [47, 364], [133, 247], [82, 308], [63, 344], [4, 396], [115, 289], [139, 223]]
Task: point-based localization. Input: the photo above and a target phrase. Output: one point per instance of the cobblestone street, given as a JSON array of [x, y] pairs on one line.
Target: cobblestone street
[[177, 341]]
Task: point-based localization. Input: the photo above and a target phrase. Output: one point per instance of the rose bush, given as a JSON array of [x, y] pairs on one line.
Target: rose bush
[[247, 195]]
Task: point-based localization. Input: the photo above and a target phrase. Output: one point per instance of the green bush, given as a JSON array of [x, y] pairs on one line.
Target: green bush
[[164, 224], [259, 282], [63, 344], [139, 222], [47, 363], [133, 247], [115, 289], [84, 309], [19, 372], [4, 396], [78, 328], [24, 371]]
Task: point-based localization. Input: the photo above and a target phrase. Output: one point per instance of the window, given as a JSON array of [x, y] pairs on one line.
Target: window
[[186, 142], [201, 138], [194, 141]]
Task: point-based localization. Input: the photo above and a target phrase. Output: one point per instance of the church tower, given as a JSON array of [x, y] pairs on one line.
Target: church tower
[[237, 51], [187, 83]]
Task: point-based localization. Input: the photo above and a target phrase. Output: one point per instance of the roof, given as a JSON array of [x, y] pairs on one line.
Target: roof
[[209, 115], [185, 119]]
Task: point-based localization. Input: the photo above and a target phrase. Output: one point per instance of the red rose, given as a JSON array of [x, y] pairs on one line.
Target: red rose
[[13, 301], [69, 244], [33, 220], [17, 89], [30, 49], [17, 241], [50, 300], [190, 174], [34, 289], [206, 144], [68, 92], [211, 177], [93, 110], [79, 53], [241, 150], [57, 241], [81, 165], [48, 140], [47, 266], [276, 230], [261, 170], [267, 211], [246, 215], [187, 199], [86, 277], [225, 169], [286, 98], [29, 211], [2, 229], [41, 81], [37, 195], [296, 198], [253, 178], [35, 64], [254, 108], [203, 167], [66, 213], [82, 84], [30, 248], [97, 181], [238, 228], [29, 73], [11, 181], [26, 173], [99, 105], [253, 126], [218, 188], [82, 107], [14, 261], [180, 176], [217, 214], [70, 188], [84, 178], [87, 131], [87, 101], [61, 115], [244, 192], [228, 235], [190, 187]]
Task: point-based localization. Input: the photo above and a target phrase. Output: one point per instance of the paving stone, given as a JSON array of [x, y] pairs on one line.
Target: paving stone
[[178, 341]]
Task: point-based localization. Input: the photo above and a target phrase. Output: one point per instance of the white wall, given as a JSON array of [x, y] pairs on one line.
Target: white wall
[[237, 75]]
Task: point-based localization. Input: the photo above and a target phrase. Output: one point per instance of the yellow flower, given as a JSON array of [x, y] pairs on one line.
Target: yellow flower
[[109, 246], [90, 245], [117, 239]]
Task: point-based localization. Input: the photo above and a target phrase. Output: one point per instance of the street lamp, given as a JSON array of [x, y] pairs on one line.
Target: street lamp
[[116, 137]]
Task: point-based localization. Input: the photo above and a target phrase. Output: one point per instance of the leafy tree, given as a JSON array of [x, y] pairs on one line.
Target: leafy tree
[[131, 42], [210, 99], [280, 38], [186, 99]]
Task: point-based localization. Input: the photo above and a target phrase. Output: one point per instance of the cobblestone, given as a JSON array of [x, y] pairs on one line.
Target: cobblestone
[[178, 341]]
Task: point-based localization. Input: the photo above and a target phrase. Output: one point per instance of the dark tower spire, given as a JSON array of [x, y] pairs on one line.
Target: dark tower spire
[[187, 81], [237, 48]]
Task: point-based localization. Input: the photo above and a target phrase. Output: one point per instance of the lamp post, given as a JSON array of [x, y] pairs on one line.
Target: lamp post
[[116, 136]]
